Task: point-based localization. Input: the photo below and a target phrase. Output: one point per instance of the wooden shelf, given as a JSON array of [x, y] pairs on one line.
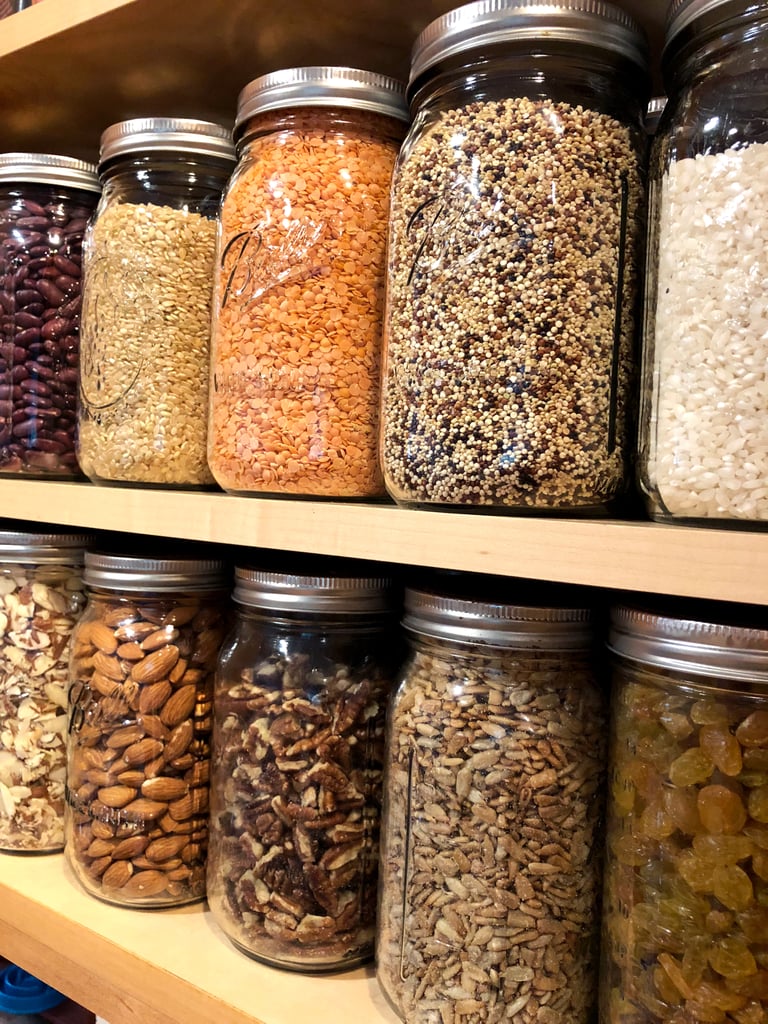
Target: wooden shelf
[[150, 967], [729, 565], [70, 69]]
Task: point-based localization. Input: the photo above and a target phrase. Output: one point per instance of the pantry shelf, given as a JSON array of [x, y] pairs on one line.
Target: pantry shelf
[[173, 967], [729, 565]]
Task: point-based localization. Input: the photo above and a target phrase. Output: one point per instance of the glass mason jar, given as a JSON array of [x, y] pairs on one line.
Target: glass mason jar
[[703, 448], [490, 857], [45, 203], [149, 260], [685, 917], [142, 670], [300, 280], [299, 711], [41, 597], [515, 247]]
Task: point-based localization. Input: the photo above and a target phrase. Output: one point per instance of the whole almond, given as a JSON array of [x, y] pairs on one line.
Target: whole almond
[[104, 685], [192, 677], [145, 883], [181, 809], [117, 874], [159, 639], [131, 777], [156, 665], [177, 672], [132, 846], [99, 866], [183, 763], [124, 737], [101, 830], [120, 615], [116, 796], [154, 767], [179, 740], [108, 666], [179, 706], [152, 725], [143, 809], [206, 646], [166, 848], [181, 828], [100, 777], [154, 695], [134, 631], [102, 636], [164, 788], [101, 847], [181, 615], [130, 651], [180, 874], [143, 751]]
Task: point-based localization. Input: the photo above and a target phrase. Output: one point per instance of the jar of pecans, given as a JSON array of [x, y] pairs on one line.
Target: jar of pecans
[[45, 204], [294, 402], [516, 233], [41, 598], [703, 450], [299, 711], [142, 670], [149, 259], [685, 917], [490, 858]]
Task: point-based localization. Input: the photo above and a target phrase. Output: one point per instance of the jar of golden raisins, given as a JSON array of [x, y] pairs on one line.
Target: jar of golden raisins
[[685, 916]]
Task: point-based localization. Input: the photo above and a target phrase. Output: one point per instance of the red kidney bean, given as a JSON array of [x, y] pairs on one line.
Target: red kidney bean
[[67, 266]]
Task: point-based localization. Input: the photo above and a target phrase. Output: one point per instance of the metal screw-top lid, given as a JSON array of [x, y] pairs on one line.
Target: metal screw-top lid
[[289, 592], [172, 134], [23, 546], [127, 572], [498, 625], [489, 22], [322, 87], [49, 169], [683, 13], [690, 645]]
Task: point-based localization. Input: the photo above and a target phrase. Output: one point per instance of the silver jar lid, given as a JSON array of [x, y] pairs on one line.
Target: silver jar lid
[[23, 546], [172, 134], [688, 645], [489, 22], [49, 169], [322, 87], [682, 13], [497, 625], [289, 592], [158, 575]]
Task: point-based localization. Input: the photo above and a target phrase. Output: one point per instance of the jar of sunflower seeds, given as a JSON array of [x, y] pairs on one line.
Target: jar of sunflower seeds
[[490, 856], [515, 249]]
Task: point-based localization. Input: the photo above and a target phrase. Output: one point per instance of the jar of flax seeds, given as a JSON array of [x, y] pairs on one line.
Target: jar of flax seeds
[[490, 860], [299, 300], [149, 259], [515, 250]]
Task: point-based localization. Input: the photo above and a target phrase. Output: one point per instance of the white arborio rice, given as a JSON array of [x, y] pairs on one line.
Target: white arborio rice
[[708, 433]]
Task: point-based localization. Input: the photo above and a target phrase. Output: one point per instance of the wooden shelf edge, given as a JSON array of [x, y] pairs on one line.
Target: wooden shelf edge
[[157, 967], [41, 22], [727, 565]]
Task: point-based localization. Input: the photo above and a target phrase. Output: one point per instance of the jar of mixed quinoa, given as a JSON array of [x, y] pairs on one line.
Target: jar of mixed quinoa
[[149, 257], [491, 841], [685, 910], [299, 299], [299, 711], [515, 249], [703, 453]]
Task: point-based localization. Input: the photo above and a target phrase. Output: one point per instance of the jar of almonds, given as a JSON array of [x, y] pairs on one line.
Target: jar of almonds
[[298, 743], [143, 660], [490, 857], [685, 919], [41, 597]]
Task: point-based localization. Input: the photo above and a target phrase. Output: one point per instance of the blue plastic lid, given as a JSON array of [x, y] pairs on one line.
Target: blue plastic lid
[[21, 992]]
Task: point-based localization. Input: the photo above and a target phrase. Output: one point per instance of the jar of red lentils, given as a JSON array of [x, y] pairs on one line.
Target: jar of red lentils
[[299, 290], [515, 250], [685, 909]]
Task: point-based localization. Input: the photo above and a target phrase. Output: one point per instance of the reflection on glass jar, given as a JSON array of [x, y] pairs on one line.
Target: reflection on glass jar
[[490, 857], [685, 917], [299, 712], [143, 659], [41, 598]]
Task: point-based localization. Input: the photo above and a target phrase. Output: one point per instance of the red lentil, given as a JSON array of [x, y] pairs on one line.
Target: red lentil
[[294, 401]]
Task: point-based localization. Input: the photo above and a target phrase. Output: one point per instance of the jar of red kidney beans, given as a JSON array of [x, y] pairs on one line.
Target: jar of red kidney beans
[[45, 203]]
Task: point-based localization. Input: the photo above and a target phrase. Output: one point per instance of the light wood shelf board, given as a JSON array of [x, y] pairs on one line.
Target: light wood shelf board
[[728, 565], [159, 967]]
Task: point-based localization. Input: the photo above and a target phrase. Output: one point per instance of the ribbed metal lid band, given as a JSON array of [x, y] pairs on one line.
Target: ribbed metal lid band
[[49, 169], [42, 547], [119, 572], [170, 134], [290, 592]]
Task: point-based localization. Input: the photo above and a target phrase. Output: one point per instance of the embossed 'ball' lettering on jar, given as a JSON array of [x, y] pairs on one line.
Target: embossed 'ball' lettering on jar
[[515, 250], [149, 259], [300, 280]]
